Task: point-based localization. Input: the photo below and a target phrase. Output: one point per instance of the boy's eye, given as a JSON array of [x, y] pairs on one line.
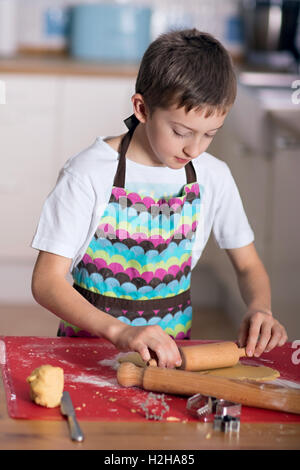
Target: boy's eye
[[210, 136], [178, 135]]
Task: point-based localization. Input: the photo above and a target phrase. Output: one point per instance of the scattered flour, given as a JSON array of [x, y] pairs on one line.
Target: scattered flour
[[92, 379], [67, 363], [112, 363]]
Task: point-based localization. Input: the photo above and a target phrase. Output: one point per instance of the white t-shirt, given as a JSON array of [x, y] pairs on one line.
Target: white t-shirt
[[72, 211]]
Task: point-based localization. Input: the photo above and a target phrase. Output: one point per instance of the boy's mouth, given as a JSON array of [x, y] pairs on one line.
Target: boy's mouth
[[182, 160]]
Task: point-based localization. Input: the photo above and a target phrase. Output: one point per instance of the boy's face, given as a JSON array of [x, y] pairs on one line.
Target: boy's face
[[176, 137]]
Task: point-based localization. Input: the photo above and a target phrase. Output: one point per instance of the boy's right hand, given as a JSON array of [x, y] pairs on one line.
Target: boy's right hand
[[144, 338]]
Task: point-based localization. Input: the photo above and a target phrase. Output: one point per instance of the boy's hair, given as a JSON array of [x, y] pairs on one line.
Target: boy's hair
[[187, 68]]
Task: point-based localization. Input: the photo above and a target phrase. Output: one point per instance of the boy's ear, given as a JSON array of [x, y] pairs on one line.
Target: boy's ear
[[140, 107]]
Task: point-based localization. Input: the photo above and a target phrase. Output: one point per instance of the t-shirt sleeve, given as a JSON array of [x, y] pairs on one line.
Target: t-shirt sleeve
[[66, 216], [231, 227]]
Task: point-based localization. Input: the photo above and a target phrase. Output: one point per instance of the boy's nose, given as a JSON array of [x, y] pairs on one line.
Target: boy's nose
[[192, 151]]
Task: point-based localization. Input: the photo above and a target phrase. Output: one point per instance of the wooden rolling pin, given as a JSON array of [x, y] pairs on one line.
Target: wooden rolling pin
[[180, 382], [208, 356]]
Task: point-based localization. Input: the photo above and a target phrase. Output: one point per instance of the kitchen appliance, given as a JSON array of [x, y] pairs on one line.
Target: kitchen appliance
[[272, 33], [109, 32]]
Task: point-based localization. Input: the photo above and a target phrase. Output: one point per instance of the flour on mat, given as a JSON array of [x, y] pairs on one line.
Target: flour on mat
[[93, 380], [112, 363]]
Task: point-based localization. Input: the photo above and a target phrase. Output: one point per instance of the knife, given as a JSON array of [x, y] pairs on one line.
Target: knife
[[67, 409]]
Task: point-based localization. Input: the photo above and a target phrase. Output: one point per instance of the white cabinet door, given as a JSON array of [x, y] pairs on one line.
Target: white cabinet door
[[92, 107], [28, 149], [44, 122], [285, 240]]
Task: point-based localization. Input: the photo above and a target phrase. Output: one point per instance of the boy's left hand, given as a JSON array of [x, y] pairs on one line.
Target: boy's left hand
[[260, 332]]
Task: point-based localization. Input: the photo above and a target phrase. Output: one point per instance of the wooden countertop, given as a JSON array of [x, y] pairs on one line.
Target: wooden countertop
[[21, 434], [64, 65], [60, 63]]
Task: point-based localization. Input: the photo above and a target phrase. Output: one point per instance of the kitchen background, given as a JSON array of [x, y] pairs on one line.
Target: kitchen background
[[67, 72]]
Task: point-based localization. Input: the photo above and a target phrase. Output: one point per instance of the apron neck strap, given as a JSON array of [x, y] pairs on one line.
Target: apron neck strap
[[131, 123]]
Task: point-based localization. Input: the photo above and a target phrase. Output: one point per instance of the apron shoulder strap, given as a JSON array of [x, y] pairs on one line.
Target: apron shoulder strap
[[131, 123]]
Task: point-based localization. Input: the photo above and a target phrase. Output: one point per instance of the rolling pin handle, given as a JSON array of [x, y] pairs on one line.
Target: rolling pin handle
[[242, 352], [129, 375]]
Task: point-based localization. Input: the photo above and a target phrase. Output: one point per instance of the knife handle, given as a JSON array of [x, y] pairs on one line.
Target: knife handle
[[75, 431]]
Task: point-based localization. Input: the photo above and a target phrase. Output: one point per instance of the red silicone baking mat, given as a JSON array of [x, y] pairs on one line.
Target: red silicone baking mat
[[90, 376]]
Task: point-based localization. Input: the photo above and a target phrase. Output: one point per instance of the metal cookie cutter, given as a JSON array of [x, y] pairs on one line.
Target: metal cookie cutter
[[202, 407], [151, 404], [225, 414], [227, 423], [225, 407]]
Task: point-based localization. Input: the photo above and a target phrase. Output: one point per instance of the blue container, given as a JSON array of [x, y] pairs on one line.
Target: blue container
[[109, 33]]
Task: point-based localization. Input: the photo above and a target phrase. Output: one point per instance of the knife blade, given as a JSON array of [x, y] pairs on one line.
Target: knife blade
[[67, 409]]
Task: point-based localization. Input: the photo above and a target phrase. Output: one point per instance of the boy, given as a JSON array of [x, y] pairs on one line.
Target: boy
[[131, 249]]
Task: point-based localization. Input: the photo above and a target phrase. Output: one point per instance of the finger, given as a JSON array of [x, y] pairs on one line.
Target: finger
[[169, 350], [274, 341], [162, 362], [170, 355], [144, 352], [243, 333], [175, 359], [161, 356], [266, 332], [164, 348], [278, 338], [151, 343], [254, 331], [284, 337]]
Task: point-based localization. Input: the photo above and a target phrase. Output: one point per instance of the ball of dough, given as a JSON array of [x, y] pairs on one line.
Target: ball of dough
[[46, 385]]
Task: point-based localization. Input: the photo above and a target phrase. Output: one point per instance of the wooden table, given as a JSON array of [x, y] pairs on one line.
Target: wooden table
[[49, 435]]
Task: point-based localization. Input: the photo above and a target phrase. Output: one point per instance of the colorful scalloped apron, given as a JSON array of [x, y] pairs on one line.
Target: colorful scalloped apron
[[137, 266]]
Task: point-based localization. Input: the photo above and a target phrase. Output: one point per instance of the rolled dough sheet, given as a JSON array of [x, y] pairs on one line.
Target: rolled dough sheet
[[243, 372], [238, 372]]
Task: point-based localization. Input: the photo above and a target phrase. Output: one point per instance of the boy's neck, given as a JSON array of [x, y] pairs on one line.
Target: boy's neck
[[139, 149]]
